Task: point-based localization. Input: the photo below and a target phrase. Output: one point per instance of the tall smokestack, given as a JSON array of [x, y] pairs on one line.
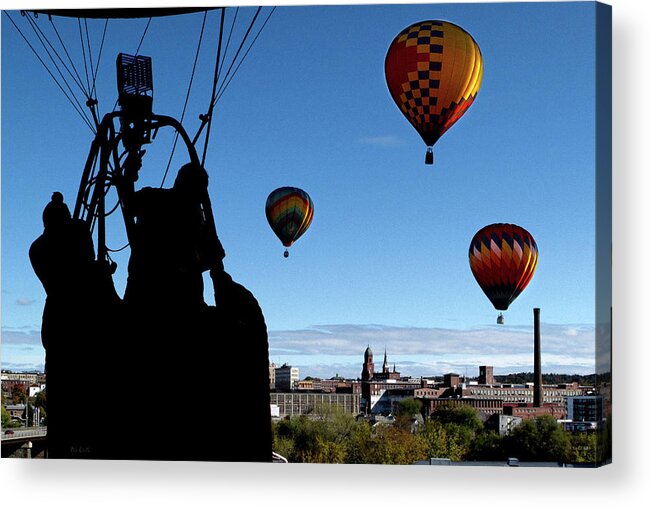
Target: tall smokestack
[[537, 370]]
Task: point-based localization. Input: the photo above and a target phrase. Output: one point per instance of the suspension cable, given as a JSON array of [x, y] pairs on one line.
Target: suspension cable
[[99, 58], [143, 37], [214, 86], [246, 35], [81, 114], [216, 96], [90, 59], [187, 96], [83, 52], [91, 102], [36, 28], [74, 68], [228, 41], [226, 83], [42, 38]]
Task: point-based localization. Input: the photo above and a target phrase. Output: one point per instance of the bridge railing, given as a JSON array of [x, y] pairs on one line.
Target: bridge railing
[[21, 433]]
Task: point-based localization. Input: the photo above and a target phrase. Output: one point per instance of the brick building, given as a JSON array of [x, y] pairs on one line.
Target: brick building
[[300, 403], [529, 411]]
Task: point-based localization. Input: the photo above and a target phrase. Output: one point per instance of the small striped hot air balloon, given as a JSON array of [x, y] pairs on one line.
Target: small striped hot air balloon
[[289, 212], [433, 70], [503, 258]]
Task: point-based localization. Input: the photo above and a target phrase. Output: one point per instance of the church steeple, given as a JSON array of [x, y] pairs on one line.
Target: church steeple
[[385, 365], [368, 368]]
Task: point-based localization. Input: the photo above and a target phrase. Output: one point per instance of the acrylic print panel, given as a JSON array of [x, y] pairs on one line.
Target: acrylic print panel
[[369, 234]]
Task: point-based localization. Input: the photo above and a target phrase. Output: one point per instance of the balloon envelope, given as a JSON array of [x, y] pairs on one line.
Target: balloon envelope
[[433, 71], [289, 212], [503, 258]]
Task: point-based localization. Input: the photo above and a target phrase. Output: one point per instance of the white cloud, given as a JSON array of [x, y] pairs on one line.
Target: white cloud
[[572, 331], [22, 349], [25, 366], [328, 349], [25, 302], [29, 336]]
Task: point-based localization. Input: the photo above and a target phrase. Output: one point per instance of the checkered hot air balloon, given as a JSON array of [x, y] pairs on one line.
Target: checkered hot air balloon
[[503, 258], [433, 70], [289, 212]]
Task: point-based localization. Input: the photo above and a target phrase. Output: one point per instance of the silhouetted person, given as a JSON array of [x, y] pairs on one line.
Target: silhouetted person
[[241, 335], [63, 259], [173, 241], [172, 244]]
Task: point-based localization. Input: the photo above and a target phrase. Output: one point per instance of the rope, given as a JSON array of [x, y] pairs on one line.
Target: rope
[[99, 58], [228, 41], [187, 97], [83, 117], [90, 59], [91, 102], [118, 249], [78, 80], [143, 37], [214, 87], [216, 95], [83, 51], [246, 35], [36, 28], [42, 38], [225, 86]]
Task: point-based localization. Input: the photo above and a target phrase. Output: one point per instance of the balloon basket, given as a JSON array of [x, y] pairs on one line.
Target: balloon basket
[[286, 254], [429, 156], [500, 319]]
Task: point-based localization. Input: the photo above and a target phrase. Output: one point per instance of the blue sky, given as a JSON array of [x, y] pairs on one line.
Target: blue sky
[[385, 260]]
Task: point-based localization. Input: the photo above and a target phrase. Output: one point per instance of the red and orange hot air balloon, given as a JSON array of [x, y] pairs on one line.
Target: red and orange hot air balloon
[[433, 70], [503, 258], [289, 212]]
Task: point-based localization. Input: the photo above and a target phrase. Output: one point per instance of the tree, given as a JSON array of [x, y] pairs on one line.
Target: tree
[[438, 442], [523, 442], [583, 448], [6, 418], [7, 422], [323, 436], [395, 446], [282, 441], [359, 443], [19, 394], [461, 424], [463, 415], [487, 446], [407, 410], [409, 407], [554, 441], [40, 402], [542, 439]]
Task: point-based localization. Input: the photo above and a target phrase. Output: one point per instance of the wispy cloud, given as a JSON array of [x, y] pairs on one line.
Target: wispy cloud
[[37, 366], [25, 302], [387, 141], [330, 349], [22, 349], [21, 336]]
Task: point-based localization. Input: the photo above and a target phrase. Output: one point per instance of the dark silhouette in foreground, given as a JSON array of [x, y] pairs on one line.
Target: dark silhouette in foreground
[[139, 378]]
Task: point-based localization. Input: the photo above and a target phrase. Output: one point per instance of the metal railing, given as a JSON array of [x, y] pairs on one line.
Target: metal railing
[[20, 433]]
